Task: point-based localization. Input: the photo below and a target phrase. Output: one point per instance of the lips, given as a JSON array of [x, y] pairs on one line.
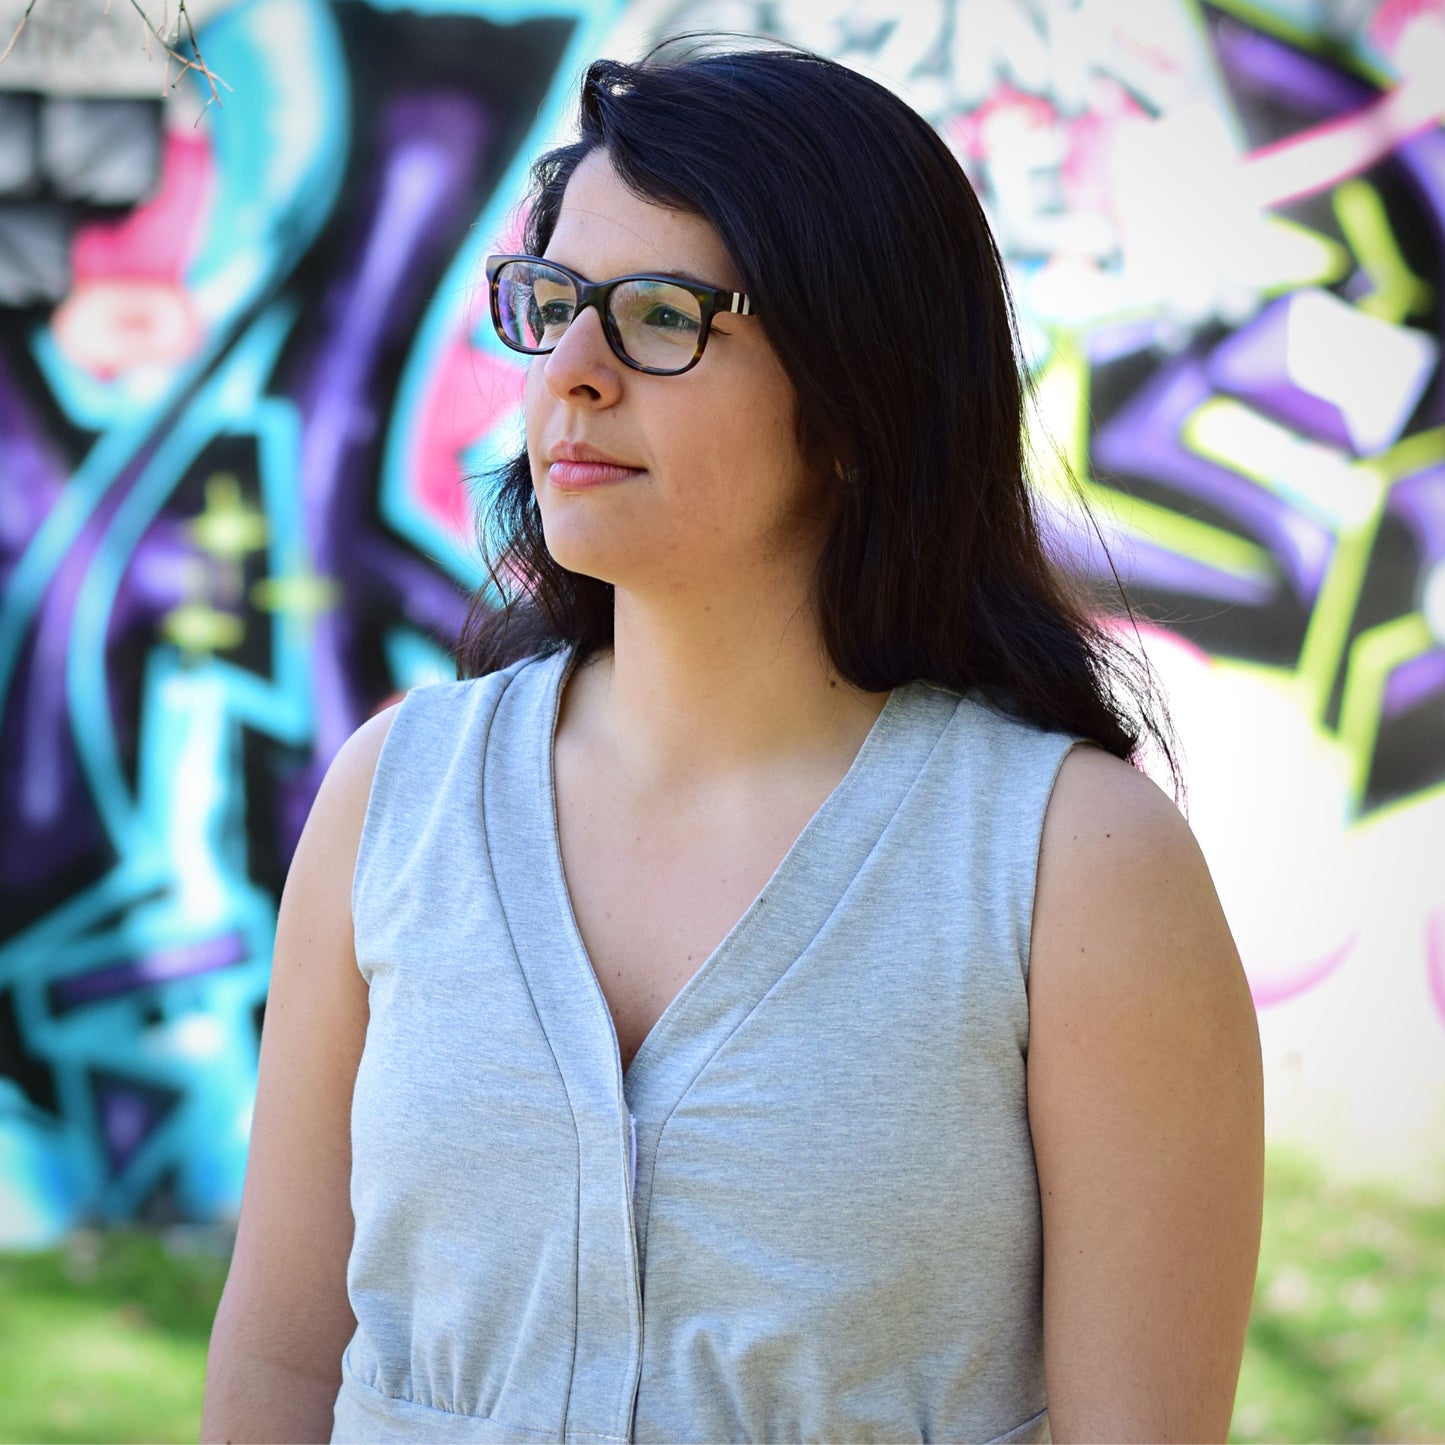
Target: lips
[[573, 465], [581, 452]]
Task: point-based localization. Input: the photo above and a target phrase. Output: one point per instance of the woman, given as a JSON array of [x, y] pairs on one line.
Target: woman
[[775, 1008]]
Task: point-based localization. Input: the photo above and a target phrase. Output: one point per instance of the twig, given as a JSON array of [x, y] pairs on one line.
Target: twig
[[198, 64], [19, 28]]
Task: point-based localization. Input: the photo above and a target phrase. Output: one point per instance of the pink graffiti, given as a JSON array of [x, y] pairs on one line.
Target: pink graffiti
[[1010, 120], [1005, 114], [129, 305], [1412, 32], [157, 238], [1291, 981], [468, 393], [1389, 27], [1089, 169], [1435, 960]]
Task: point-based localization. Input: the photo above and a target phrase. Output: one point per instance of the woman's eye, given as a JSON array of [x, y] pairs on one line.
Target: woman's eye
[[555, 313], [669, 318]]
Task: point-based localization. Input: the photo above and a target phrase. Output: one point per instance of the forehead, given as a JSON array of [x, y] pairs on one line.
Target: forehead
[[605, 229]]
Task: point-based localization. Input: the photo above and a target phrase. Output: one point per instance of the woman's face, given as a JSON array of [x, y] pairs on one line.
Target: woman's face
[[720, 488]]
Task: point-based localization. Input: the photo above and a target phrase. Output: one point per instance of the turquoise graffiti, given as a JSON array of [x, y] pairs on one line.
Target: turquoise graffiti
[[235, 438], [246, 394]]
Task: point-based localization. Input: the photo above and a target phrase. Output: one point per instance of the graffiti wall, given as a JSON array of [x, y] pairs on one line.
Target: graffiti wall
[[247, 390]]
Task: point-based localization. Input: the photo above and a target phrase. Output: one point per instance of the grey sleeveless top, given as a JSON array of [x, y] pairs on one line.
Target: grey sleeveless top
[[808, 1211]]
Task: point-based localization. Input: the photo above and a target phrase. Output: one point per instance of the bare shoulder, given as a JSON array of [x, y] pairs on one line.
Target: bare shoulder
[[325, 856], [1100, 799], [1130, 941], [1145, 1105], [372, 733], [354, 765], [1118, 863]]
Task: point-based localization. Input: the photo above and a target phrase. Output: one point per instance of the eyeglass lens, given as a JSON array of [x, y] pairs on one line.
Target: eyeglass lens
[[658, 323]]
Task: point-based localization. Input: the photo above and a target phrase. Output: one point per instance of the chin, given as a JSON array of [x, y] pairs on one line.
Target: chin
[[590, 556]]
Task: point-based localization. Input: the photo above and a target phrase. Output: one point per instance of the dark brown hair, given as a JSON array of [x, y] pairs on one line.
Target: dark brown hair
[[875, 275]]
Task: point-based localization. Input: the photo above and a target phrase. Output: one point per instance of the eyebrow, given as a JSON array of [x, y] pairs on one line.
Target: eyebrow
[[693, 280], [661, 276]]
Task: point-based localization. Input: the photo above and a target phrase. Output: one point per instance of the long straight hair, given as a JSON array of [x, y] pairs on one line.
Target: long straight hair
[[883, 294]]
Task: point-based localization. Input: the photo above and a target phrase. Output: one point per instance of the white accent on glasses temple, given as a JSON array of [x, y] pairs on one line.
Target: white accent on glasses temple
[[742, 304]]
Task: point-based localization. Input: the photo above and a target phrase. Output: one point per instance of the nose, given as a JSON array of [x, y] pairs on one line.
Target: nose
[[582, 367]]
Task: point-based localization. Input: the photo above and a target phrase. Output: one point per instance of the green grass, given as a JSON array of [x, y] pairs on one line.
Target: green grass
[[104, 1339], [1347, 1335]]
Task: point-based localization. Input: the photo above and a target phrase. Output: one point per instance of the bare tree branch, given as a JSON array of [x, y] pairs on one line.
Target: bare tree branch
[[182, 14], [21, 26]]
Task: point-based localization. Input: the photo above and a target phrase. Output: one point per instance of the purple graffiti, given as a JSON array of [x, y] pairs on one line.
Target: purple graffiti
[[161, 965]]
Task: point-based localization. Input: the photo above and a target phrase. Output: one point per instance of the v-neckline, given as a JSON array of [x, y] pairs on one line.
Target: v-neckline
[[787, 920], [563, 666]]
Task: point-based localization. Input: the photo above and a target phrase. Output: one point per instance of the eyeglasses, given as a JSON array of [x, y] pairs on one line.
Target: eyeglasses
[[655, 324]]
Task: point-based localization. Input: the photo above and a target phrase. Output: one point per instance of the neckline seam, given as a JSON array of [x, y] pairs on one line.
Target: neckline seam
[[883, 730], [802, 846], [883, 726]]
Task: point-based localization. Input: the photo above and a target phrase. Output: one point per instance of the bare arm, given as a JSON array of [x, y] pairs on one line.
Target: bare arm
[[1145, 1098], [274, 1363]]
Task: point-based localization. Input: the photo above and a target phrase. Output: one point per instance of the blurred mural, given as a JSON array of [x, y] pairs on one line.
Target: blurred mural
[[248, 391]]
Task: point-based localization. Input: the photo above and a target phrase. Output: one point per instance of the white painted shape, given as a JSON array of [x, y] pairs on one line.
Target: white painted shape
[[1354, 1066], [1268, 802], [286, 34], [1432, 603], [1321, 481], [199, 1037], [1372, 370]]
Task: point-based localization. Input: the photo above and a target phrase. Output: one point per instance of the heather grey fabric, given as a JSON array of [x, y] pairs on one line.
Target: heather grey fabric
[[833, 1231]]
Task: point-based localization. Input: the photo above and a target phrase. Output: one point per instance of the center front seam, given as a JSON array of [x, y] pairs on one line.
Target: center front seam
[[643, 1216]]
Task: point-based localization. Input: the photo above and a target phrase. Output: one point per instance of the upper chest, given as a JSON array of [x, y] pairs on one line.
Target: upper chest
[[656, 887]]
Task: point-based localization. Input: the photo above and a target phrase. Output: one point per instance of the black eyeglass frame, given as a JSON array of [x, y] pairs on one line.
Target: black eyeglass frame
[[711, 301]]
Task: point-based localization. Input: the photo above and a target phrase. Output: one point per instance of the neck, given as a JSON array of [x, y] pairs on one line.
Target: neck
[[716, 690]]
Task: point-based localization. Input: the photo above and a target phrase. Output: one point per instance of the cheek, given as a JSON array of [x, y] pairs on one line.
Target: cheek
[[762, 439], [535, 415], [533, 392]]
